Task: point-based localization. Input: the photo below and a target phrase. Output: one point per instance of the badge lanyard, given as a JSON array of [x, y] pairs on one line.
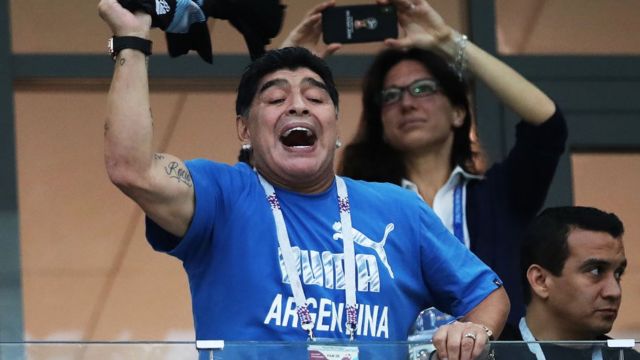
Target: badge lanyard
[[535, 347], [458, 215], [302, 307]]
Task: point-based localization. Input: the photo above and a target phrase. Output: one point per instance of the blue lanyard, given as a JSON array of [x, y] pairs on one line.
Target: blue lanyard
[[458, 214]]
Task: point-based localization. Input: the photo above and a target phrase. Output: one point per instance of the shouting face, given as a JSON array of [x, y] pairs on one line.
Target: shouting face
[[292, 128]]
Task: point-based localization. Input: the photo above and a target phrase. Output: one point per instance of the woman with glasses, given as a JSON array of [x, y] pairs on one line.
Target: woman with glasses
[[416, 131]]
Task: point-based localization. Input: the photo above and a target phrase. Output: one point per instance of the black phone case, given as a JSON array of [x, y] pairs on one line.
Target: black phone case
[[359, 23]]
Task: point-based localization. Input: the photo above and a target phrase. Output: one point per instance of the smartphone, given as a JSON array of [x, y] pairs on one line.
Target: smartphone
[[359, 23]]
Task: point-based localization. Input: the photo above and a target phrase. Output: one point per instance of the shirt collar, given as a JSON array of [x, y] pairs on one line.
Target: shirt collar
[[464, 176]]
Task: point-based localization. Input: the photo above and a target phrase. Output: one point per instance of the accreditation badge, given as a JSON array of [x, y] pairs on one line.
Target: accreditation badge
[[333, 352]]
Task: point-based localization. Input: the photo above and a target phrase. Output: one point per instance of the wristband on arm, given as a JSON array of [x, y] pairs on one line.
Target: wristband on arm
[[116, 44]]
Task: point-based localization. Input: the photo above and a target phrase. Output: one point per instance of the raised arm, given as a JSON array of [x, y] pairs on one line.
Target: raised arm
[[425, 28], [159, 183]]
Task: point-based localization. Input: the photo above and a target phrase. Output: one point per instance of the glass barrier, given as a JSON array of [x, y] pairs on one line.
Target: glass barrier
[[319, 350]]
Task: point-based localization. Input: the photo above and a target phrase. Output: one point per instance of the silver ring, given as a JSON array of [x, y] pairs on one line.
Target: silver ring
[[470, 336]]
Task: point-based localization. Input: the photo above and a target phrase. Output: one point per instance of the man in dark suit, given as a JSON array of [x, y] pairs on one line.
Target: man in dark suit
[[572, 262]]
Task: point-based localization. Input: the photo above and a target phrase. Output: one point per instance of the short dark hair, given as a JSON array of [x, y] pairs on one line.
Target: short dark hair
[[545, 240], [286, 58], [369, 157]]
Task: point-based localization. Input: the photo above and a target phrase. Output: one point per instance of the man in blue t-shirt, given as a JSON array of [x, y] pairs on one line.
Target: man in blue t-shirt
[[287, 250]]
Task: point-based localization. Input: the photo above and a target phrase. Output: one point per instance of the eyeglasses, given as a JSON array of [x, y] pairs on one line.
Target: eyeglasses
[[418, 88]]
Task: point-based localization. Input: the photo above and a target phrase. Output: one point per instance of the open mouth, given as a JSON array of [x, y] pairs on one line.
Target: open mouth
[[298, 137]]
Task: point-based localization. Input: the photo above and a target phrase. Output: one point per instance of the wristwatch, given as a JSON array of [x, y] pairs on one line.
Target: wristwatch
[[117, 43]]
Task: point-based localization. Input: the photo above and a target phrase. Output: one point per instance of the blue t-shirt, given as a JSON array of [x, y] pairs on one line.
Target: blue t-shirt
[[406, 260]]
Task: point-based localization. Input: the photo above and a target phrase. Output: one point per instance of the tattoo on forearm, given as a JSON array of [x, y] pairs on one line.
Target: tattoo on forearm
[[158, 157], [122, 61], [175, 171]]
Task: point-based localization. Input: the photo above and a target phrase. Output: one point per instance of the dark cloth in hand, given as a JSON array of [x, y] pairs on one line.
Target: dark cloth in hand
[[185, 22]]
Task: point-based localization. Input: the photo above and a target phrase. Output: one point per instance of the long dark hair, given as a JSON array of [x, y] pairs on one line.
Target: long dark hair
[[369, 157]]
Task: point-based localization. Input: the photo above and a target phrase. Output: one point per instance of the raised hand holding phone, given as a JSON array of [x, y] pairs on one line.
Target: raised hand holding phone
[[307, 33], [422, 25]]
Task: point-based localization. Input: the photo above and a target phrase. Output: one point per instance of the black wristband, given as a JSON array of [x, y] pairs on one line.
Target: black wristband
[[118, 43]]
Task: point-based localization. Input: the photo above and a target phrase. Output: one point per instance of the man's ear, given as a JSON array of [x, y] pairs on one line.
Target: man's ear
[[242, 129], [459, 113], [538, 278]]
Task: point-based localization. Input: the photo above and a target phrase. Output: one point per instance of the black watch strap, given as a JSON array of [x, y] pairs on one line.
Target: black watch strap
[[118, 43]]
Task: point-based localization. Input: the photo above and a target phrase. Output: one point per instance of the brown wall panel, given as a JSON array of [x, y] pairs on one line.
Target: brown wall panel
[[568, 26]]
